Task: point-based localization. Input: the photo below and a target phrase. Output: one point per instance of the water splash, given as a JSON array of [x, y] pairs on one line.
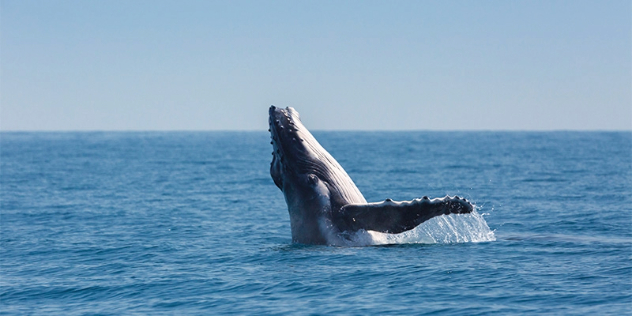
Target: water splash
[[441, 229]]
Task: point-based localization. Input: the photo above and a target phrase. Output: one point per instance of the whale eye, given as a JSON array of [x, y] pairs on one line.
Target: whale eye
[[312, 179]]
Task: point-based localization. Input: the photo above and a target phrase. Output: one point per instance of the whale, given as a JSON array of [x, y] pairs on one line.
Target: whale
[[324, 204]]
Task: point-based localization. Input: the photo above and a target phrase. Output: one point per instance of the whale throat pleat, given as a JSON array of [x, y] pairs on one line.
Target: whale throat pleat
[[328, 168]]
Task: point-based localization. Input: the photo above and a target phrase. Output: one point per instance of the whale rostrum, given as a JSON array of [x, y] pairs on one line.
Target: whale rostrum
[[323, 202]]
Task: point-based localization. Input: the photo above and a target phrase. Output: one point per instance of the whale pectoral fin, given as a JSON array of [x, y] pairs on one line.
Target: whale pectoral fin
[[396, 217]]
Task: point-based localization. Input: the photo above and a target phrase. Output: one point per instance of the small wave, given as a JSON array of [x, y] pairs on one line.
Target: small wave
[[446, 229]]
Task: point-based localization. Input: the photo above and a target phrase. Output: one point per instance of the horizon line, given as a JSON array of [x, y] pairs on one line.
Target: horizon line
[[312, 130]]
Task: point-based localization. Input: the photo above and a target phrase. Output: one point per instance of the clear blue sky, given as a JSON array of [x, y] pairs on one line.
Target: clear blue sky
[[367, 65]]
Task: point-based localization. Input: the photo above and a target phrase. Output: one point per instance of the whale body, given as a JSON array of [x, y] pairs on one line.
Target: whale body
[[324, 204]]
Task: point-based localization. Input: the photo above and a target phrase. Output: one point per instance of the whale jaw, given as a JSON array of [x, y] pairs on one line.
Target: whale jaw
[[312, 181], [297, 152]]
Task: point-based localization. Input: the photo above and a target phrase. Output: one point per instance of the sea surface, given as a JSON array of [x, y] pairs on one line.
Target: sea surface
[[190, 223]]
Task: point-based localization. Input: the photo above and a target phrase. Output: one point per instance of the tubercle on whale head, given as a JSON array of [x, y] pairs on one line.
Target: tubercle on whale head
[[286, 130], [283, 120], [287, 137]]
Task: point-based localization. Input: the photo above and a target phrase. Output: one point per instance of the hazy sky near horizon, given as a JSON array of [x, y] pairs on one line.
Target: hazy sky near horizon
[[344, 65]]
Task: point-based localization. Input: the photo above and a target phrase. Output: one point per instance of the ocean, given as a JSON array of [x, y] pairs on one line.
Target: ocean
[[190, 223]]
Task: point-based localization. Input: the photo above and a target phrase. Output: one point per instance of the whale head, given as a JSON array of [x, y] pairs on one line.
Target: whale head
[[312, 181], [289, 149]]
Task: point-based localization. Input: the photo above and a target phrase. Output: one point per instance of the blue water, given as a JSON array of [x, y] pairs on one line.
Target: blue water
[[191, 223]]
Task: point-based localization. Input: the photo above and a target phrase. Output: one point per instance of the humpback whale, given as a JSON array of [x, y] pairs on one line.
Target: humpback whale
[[324, 204]]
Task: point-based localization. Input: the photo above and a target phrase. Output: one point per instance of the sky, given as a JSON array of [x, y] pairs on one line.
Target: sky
[[344, 65]]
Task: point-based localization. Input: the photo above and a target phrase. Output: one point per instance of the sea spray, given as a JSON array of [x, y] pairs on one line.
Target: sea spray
[[441, 229]]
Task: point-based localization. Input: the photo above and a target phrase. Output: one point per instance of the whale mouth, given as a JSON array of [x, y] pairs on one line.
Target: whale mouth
[[287, 141], [282, 128]]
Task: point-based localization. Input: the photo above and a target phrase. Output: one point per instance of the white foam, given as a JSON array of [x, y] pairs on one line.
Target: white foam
[[447, 229]]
